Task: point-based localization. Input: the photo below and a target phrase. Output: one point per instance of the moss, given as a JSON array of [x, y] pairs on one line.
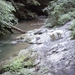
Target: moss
[[15, 65], [30, 63], [64, 18]]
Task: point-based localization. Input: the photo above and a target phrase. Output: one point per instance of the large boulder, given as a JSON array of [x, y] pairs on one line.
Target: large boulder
[[58, 54]]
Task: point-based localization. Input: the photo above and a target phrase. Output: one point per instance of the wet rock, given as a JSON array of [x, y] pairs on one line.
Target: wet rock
[[26, 37], [56, 34], [6, 73], [31, 38], [35, 39], [39, 39], [57, 55], [23, 52], [27, 72], [40, 31], [60, 58], [13, 42], [42, 35]]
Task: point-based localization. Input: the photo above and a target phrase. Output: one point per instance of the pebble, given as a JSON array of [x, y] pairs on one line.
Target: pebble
[[13, 42]]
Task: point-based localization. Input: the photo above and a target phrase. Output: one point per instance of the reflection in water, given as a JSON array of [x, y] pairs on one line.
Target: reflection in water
[[7, 49]]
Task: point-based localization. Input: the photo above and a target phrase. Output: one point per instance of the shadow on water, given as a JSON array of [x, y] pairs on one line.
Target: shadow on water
[[7, 49]]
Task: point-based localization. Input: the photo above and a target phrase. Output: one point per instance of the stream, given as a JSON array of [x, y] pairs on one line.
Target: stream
[[8, 45]]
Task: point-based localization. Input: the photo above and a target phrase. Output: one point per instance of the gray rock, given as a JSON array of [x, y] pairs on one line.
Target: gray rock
[[58, 55], [13, 42]]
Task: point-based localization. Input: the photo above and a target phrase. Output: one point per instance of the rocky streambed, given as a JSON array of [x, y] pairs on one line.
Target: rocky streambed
[[51, 52]]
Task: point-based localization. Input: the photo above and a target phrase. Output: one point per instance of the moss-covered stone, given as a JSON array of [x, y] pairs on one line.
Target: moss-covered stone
[[17, 63]]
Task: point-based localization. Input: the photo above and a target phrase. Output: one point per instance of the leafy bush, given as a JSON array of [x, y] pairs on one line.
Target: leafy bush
[[72, 28], [7, 17], [29, 13], [60, 11], [15, 65], [66, 18], [25, 9]]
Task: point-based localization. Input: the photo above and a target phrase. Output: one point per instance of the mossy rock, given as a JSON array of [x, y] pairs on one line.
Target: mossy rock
[[15, 65], [18, 63], [29, 64]]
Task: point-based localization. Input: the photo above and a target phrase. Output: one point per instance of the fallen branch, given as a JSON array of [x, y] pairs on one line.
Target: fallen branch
[[17, 29]]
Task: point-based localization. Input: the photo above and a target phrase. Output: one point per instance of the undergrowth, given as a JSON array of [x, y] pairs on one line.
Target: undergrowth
[[60, 12]]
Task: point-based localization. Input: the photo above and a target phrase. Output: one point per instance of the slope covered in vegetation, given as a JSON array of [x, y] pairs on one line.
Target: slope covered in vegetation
[[61, 12]]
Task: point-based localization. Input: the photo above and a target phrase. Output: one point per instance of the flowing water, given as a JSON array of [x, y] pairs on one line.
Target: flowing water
[[7, 49]]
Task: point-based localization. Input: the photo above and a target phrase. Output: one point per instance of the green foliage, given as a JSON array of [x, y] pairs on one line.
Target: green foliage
[[15, 65], [72, 28], [18, 63], [29, 12], [6, 15], [60, 11], [26, 11], [66, 18]]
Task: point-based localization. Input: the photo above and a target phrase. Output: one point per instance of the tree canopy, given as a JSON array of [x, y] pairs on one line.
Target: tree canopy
[[61, 12], [7, 17]]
